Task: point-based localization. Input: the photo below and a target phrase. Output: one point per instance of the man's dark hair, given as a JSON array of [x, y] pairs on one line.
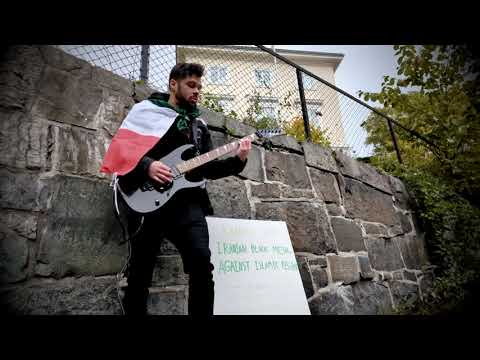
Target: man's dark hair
[[184, 70]]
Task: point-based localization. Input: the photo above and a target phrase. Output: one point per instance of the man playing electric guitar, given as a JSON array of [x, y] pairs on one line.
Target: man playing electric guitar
[[153, 128]]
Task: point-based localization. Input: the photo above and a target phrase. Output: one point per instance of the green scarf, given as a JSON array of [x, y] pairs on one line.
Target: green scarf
[[184, 116]]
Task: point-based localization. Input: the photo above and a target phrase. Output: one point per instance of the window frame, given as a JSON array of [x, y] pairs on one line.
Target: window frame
[[260, 83], [217, 67]]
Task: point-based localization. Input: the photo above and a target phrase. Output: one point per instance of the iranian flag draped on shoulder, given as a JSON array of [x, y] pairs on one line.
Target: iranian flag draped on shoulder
[[146, 123]]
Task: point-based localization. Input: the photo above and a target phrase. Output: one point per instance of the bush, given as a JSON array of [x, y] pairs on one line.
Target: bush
[[451, 225]]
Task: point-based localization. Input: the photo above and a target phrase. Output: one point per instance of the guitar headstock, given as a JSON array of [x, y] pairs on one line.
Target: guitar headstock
[[268, 133]]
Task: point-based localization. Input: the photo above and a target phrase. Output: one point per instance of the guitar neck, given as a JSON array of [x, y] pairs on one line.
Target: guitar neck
[[197, 161]]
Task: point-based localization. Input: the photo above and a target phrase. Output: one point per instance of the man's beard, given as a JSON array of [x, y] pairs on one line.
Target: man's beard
[[183, 102]]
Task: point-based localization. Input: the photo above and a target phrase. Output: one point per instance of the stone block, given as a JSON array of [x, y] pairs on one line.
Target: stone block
[[254, 168], [319, 276], [169, 271], [371, 298], [286, 142], [319, 157], [19, 189], [265, 190], [212, 118], [317, 260], [412, 251], [112, 110], [409, 275], [287, 168], [375, 229], [76, 151], [366, 271], [229, 198], [404, 292], [78, 234], [21, 67], [363, 172], [13, 255], [333, 301], [306, 276], [405, 223], [325, 185], [366, 203], [334, 210], [61, 60], [167, 248], [397, 275], [237, 128], [23, 141], [167, 301], [114, 82], [68, 296], [343, 268], [16, 228], [21, 222], [400, 193], [307, 224], [348, 235], [219, 139], [289, 192], [384, 254], [312, 259], [386, 276], [65, 98]]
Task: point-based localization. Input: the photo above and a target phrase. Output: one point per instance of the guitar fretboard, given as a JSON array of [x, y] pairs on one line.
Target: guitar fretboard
[[197, 161]]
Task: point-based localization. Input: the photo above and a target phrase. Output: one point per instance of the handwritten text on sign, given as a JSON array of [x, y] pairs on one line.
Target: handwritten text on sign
[[255, 268], [226, 265]]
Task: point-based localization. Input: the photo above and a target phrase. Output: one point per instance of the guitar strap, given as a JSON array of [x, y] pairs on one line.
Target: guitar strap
[[195, 138], [195, 134]]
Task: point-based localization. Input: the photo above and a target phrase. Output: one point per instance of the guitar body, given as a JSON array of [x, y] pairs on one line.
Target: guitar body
[[152, 196]]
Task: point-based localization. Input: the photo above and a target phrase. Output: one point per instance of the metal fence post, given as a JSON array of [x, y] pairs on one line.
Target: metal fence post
[[394, 140], [304, 105], [144, 61]]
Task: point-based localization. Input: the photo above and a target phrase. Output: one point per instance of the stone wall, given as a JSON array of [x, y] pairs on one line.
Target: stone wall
[[352, 229]]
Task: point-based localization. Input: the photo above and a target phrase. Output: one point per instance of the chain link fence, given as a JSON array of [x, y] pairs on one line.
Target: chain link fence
[[250, 84]]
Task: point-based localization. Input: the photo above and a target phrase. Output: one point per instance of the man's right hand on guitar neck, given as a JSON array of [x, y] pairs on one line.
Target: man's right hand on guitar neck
[[160, 172]]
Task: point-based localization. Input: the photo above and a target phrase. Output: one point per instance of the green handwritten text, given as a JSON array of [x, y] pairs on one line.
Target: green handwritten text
[[227, 266]]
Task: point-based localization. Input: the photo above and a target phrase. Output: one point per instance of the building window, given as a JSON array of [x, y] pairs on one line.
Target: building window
[[263, 78], [308, 82], [213, 101], [268, 108], [217, 75], [313, 109]]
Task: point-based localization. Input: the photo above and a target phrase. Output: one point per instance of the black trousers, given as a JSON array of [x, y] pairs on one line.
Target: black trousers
[[182, 221]]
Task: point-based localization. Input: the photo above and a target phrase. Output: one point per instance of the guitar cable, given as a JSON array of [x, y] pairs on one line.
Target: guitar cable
[[127, 239]]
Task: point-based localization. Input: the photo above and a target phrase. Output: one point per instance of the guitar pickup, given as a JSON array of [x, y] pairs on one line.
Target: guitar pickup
[[146, 187]]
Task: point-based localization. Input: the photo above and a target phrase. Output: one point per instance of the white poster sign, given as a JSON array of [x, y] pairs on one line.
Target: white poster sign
[[256, 272]]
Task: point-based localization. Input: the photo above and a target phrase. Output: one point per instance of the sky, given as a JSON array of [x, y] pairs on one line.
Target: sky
[[362, 67]]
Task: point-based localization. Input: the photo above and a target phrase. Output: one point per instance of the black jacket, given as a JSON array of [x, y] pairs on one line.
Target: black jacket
[[174, 138]]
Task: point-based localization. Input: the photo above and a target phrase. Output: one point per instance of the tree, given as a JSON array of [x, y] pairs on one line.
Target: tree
[[436, 94], [296, 129]]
